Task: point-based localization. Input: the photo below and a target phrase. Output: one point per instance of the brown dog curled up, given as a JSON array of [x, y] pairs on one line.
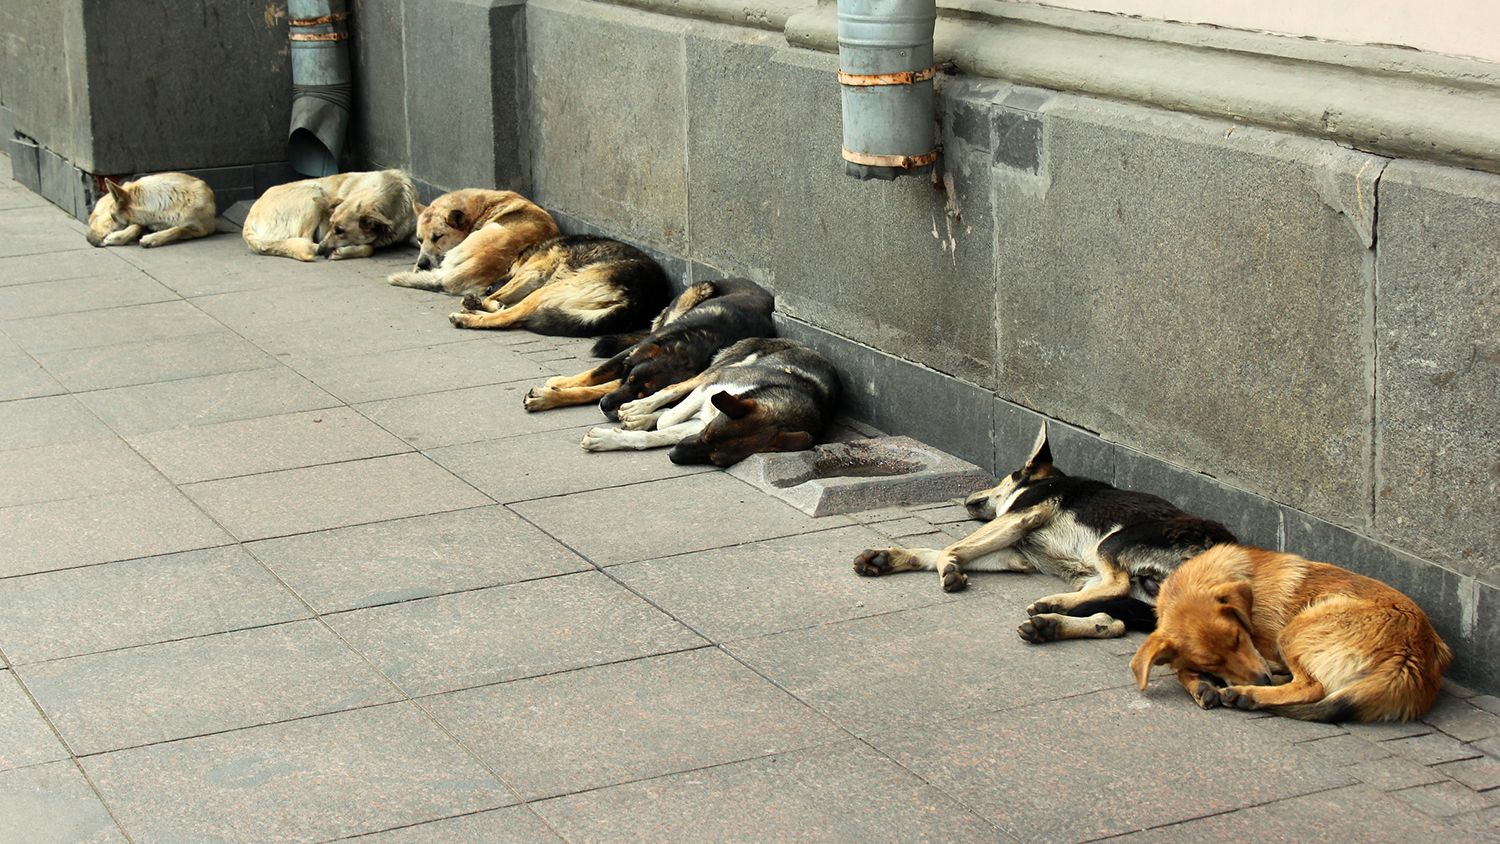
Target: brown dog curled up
[[1356, 649]]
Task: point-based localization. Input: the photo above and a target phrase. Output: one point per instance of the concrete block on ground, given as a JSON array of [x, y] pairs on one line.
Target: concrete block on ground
[[1438, 390], [25, 163], [1195, 289]]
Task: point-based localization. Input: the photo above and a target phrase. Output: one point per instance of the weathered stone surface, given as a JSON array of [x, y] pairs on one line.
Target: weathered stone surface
[[611, 151], [514, 825], [1075, 452], [1252, 519], [172, 359], [82, 294], [50, 420], [72, 470], [204, 400], [1437, 412], [1195, 290], [53, 804], [378, 130], [25, 737], [52, 105], [154, 321], [462, 98], [1336, 815]]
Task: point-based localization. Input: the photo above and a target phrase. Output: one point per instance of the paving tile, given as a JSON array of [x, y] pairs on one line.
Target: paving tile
[[490, 412], [782, 584], [139, 602], [330, 295], [431, 369], [27, 423], [233, 267], [1433, 749], [1354, 814], [145, 408], [1288, 729], [73, 470], [267, 444], [602, 726], [1481, 774], [1040, 771], [313, 343], [13, 197], [133, 324], [192, 687], [80, 295], [78, 263], [312, 779], [24, 378], [842, 793], [1489, 703], [721, 510], [25, 737], [876, 674], [321, 497], [515, 825], [1490, 747], [1388, 730], [548, 463], [1447, 799], [51, 803], [509, 632], [1459, 719], [1343, 750], [121, 526], [1394, 772], [416, 557], [172, 359], [41, 230]]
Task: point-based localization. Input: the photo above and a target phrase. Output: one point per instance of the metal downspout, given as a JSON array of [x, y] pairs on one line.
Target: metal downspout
[[886, 70], [322, 87]]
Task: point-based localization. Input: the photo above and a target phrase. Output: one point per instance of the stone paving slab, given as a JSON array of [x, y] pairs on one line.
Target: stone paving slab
[[218, 264], [316, 342], [29, 423], [205, 400], [73, 470], [81, 295], [550, 463], [121, 526], [456, 417], [139, 602], [134, 323], [314, 779], [514, 825], [25, 736], [510, 632], [847, 792], [1339, 816], [321, 497], [405, 372], [41, 231], [417, 557], [44, 266], [21, 377], [53, 803], [193, 687], [172, 359], [266, 444], [635, 720], [721, 510]]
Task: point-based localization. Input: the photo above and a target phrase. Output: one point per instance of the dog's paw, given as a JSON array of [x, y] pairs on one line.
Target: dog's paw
[[473, 302], [1038, 629], [872, 562], [1041, 606], [535, 400], [638, 422], [1206, 695], [152, 240], [952, 578], [596, 439], [461, 320], [1238, 697]]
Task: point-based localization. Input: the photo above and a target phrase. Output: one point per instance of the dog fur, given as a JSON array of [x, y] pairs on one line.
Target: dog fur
[[573, 286], [470, 238], [1355, 648], [170, 206], [347, 215], [1113, 547], [758, 395], [702, 321]]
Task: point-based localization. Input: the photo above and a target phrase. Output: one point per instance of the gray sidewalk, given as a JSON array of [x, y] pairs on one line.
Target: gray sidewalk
[[282, 558]]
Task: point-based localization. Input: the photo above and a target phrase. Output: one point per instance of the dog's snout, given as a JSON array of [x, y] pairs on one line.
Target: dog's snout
[[424, 263]]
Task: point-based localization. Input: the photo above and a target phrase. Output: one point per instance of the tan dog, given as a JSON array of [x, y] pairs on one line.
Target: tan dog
[[470, 238], [1357, 650], [348, 215], [171, 206]]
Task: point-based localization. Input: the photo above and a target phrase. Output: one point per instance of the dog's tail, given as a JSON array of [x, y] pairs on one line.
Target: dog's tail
[[613, 344], [420, 279], [292, 247], [1401, 688]]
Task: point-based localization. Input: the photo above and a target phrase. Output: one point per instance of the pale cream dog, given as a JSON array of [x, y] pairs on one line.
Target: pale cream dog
[[171, 206], [348, 215]]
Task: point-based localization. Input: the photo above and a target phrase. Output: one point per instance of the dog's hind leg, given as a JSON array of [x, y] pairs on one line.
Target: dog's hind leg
[[129, 234], [873, 562], [171, 235], [547, 398], [618, 439], [1053, 627], [611, 370], [1000, 534]]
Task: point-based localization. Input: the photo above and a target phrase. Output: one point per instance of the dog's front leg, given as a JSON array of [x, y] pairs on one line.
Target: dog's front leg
[[129, 234], [1203, 692], [363, 250], [547, 398], [617, 439], [169, 235], [1000, 534]]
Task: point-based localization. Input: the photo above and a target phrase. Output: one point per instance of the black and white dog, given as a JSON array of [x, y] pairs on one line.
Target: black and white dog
[[1112, 546]]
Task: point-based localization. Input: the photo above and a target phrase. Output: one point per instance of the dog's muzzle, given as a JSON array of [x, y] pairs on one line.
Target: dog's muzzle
[[424, 263]]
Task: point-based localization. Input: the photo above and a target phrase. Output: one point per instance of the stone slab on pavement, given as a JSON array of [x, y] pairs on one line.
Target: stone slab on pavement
[[430, 369], [204, 400], [25, 736], [504, 633], [54, 805], [171, 359], [79, 295], [472, 414], [27, 423], [314, 779], [21, 377], [416, 557], [73, 470], [84, 329], [139, 602], [1342, 814], [513, 825]]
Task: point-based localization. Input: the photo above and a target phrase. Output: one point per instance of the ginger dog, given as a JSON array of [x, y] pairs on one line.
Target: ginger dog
[[171, 206], [470, 238], [1356, 649]]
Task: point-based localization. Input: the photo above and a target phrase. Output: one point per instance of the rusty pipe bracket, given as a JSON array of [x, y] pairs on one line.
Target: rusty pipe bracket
[[905, 77], [905, 162]]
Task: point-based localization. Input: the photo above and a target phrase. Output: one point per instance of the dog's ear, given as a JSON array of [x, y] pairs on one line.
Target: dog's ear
[[332, 202], [376, 225], [121, 196], [417, 208], [1236, 598], [791, 441], [733, 406], [1039, 464], [456, 218], [1156, 650]]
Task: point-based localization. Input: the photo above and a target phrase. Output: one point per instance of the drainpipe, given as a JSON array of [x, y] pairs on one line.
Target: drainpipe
[[321, 85], [886, 70]]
